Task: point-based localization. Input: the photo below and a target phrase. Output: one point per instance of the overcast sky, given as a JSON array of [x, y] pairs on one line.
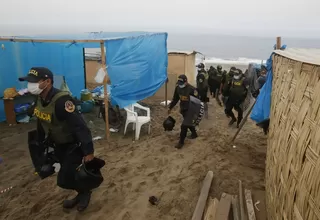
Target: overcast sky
[[296, 18]]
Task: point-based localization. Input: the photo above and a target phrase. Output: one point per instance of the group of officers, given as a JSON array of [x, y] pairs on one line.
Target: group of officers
[[59, 119], [229, 89]]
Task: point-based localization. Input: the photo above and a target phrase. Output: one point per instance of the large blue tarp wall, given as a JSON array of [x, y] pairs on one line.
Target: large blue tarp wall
[[136, 62]]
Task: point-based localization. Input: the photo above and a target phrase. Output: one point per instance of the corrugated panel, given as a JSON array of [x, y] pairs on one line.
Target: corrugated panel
[[311, 56]]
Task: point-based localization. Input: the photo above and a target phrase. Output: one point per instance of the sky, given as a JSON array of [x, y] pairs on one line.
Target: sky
[[290, 18]]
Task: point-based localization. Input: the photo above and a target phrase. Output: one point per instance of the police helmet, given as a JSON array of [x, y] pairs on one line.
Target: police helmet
[[236, 72], [182, 79], [46, 170], [88, 175], [169, 124], [200, 66]]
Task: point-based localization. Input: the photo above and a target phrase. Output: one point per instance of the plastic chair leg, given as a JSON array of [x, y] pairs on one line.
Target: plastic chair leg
[[138, 129], [125, 127], [149, 128]]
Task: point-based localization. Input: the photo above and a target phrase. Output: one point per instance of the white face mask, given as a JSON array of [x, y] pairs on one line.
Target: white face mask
[[34, 89], [236, 77], [182, 86]]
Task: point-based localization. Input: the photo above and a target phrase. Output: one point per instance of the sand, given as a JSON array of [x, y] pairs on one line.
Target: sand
[[136, 170]]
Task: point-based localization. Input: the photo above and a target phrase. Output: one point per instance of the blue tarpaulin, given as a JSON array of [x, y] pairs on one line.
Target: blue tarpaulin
[[136, 62], [261, 109]]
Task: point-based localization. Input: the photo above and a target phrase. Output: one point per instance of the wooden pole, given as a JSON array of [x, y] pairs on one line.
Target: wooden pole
[[105, 81], [166, 92], [278, 43], [198, 212], [243, 122]]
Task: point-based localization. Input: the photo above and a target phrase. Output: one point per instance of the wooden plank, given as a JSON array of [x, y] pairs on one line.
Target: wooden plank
[[241, 202], [250, 208], [198, 212], [212, 209], [223, 210], [259, 195], [235, 207]]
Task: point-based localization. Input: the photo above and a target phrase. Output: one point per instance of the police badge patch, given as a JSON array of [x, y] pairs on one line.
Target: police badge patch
[[69, 106]]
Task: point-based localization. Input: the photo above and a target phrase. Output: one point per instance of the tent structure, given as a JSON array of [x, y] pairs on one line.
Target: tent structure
[[129, 60]]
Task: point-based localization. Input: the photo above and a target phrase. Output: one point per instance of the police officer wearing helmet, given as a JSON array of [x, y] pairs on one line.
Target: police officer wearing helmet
[[237, 91], [58, 118], [182, 93], [224, 87]]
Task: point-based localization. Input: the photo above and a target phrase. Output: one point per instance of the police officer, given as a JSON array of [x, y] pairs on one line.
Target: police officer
[[182, 93], [202, 88], [58, 118], [237, 94], [224, 88]]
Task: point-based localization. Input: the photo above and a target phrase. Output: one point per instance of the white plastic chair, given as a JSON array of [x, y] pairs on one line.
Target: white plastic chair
[[138, 121]]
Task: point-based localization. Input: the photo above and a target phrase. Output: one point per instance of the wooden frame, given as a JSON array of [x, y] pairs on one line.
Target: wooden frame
[[103, 62]]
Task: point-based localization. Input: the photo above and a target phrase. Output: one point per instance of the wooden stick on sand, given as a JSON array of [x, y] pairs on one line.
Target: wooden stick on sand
[[248, 196], [198, 212]]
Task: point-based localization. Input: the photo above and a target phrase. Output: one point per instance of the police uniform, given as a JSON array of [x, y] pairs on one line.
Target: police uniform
[[237, 92], [183, 95], [59, 120], [225, 84]]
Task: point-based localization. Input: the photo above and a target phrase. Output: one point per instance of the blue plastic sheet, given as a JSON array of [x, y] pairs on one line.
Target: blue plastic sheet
[[261, 110], [137, 67], [136, 62]]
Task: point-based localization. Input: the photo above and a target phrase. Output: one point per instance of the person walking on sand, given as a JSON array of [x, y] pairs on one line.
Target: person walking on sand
[[186, 94], [202, 87], [58, 120], [237, 91], [224, 87]]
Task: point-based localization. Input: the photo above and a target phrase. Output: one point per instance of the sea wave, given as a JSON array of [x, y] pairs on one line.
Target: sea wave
[[240, 63]]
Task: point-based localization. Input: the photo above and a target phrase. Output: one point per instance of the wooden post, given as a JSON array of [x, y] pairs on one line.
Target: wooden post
[[278, 43], [105, 81], [166, 92]]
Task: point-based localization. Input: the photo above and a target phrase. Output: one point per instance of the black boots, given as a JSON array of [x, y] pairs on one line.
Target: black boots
[[179, 145], [233, 120], [238, 122], [82, 201]]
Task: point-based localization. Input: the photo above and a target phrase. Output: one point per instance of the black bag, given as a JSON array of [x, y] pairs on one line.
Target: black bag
[[169, 124]]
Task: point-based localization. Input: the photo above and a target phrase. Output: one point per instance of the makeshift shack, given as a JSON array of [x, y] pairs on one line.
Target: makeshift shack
[[292, 167], [179, 62], [128, 60]]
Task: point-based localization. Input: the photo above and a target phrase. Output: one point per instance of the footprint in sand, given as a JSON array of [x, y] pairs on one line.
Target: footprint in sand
[[155, 173], [140, 186], [123, 170]]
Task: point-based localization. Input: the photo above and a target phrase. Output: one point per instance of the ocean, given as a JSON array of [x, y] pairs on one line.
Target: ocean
[[233, 47]]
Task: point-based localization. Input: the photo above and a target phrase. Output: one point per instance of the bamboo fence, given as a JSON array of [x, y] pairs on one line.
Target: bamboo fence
[[293, 161]]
